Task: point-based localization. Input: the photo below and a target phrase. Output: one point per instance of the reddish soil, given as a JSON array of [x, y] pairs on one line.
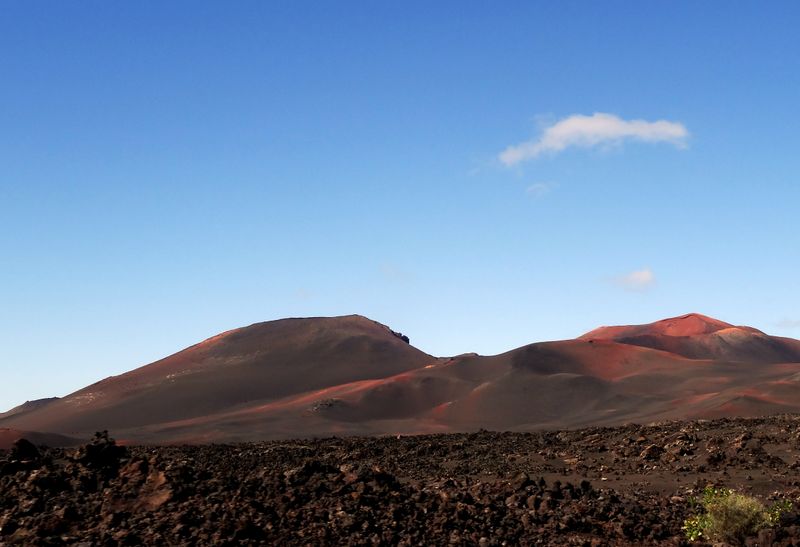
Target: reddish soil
[[629, 485], [353, 376], [9, 436]]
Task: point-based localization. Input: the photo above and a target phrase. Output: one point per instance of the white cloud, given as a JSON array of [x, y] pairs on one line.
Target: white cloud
[[540, 189], [638, 280], [595, 130]]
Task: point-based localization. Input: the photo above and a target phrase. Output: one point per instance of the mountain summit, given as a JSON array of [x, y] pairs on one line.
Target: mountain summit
[[351, 375], [690, 324], [701, 337]]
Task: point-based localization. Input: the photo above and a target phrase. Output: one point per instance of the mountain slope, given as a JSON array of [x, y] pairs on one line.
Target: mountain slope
[[699, 337], [691, 324], [259, 363], [9, 436], [28, 406], [351, 375]]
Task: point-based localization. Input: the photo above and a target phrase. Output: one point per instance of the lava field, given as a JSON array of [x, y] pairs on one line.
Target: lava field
[[629, 485]]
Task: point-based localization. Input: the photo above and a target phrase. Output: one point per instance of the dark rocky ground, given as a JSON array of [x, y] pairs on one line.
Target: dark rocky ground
[[630, 485]]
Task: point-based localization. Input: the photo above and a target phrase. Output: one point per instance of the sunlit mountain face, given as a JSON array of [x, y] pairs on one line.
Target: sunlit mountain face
[[351, 375]]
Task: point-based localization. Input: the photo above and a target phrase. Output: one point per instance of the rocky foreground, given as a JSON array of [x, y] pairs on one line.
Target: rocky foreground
[[630, 485]]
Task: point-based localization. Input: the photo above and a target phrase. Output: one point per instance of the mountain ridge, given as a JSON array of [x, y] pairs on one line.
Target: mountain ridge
[[350, 374]]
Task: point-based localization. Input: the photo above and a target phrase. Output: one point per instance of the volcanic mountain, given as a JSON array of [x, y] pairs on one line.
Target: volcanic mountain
[[699, 337], [351, 375]]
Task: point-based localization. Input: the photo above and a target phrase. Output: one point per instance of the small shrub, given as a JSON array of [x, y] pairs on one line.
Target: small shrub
[[729, 516]]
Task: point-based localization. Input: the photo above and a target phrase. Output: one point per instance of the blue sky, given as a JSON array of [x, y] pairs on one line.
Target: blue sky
[[172, 170]]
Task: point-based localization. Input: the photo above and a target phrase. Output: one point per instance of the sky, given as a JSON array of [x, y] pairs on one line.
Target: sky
[[477, 175]]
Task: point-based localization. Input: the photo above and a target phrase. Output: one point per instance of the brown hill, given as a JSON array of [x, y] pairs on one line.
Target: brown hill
[[691, 324], [350, 375], [28, 406], [9, 436], [699, 337], [247, 366]]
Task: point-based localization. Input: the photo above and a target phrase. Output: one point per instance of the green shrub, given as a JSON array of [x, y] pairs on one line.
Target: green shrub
[[729, 516]]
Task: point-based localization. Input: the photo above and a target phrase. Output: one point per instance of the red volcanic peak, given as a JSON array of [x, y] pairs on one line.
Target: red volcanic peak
[[697, 336], [691, 324]]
